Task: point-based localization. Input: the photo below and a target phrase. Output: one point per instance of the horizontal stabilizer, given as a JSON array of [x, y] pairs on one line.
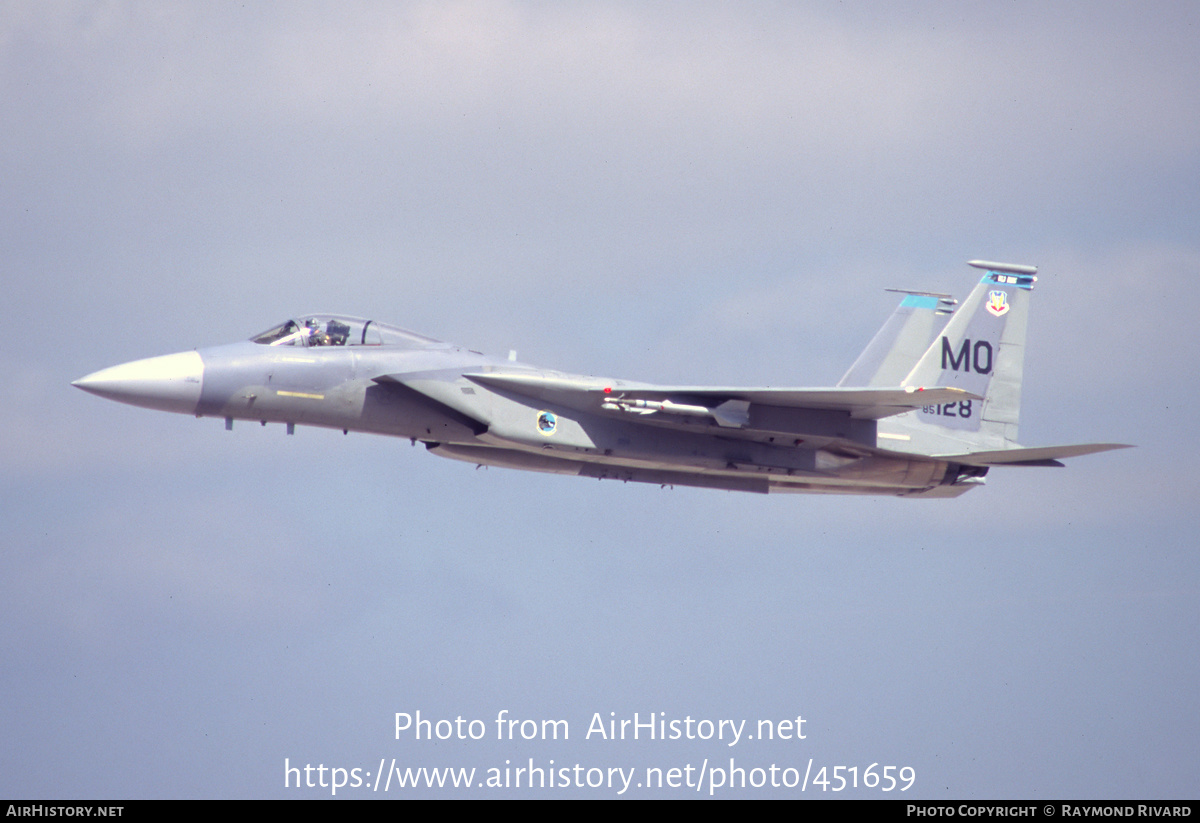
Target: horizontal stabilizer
[[1040, 456]]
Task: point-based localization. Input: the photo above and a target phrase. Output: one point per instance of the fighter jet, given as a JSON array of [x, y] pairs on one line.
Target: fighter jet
[[925, 411]]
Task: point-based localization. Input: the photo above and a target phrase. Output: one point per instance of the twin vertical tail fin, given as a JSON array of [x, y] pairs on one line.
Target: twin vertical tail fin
[[890, 355], [981, 350]]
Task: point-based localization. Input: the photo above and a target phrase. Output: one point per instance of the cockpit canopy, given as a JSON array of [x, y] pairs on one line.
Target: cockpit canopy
[[336, 330]]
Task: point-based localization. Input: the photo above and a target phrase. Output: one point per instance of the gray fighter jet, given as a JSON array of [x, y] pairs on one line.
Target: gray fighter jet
[[925, 411]]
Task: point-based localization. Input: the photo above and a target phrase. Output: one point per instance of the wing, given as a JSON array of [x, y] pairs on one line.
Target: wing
[[728, 405], [756, 413]]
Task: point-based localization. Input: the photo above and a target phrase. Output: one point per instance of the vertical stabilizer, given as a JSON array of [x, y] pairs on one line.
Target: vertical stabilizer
[[981, 350], [890, 355]]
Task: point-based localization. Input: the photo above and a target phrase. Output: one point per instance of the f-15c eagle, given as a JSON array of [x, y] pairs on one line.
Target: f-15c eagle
[[925, 411]]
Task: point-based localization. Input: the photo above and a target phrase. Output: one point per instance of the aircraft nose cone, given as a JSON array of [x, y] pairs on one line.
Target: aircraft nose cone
[[168, 383]]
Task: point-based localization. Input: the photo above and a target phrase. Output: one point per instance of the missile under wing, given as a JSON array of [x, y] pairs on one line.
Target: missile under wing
[[925, 411]]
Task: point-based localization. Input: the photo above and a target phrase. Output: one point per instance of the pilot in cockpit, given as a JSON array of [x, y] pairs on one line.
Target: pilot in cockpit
[[315, 336]]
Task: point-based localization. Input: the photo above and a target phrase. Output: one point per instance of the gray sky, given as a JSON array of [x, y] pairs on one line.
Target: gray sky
[[689, 194]]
